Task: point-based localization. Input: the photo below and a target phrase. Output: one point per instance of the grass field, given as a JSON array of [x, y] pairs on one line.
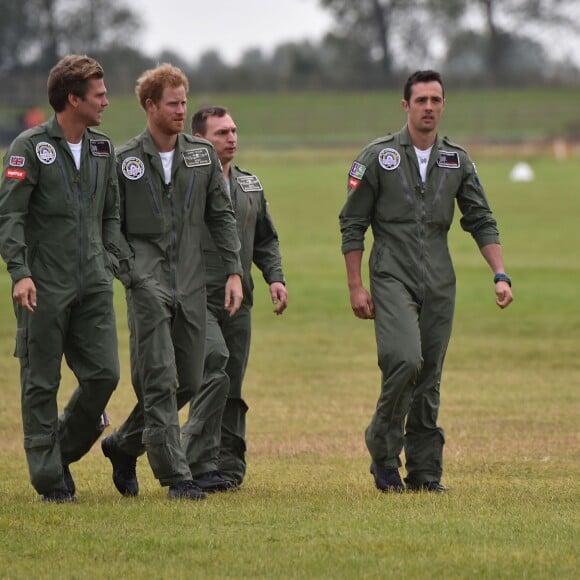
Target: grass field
[[337, 119], [309, 509]]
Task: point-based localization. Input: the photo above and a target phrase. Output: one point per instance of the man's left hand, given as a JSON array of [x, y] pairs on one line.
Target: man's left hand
[[279, 296], [234, 294], [503, 293]]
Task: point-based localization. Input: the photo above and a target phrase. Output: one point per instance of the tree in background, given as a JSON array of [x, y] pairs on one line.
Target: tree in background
[[38, 32], [92, 26], [374, 45], [16, 28], [485, 41], [509, 41], [376, 38]]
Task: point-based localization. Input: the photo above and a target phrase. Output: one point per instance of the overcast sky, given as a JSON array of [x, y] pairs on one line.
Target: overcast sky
[[192, 27]]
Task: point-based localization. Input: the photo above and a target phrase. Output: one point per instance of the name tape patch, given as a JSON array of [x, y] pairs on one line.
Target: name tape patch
[[249, 183], [196, 157], [100, 147], [449, 159]]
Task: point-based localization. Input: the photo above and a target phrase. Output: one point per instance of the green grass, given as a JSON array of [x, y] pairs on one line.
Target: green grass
[[334, 119], [338, 119], [308, 509]]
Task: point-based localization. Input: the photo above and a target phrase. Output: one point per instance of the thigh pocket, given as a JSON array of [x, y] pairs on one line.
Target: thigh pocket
[[21, 347]]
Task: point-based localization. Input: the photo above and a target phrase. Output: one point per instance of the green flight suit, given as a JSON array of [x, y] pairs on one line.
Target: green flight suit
[[161, 267], [214, 436], [60, 226], [412, 283]]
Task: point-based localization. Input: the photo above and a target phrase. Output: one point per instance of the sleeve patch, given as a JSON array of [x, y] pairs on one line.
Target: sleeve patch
[[353, 183], [16, 161], [13, 173], [357, 170]]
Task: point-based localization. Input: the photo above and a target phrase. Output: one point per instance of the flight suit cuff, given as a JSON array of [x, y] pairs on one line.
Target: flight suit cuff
[[19, 273], [352, 246], [487, 239], [235, 271]]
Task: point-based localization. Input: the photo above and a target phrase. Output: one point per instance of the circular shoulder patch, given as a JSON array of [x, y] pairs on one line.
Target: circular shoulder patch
[[133, 168], [45, 152], [389, 159]]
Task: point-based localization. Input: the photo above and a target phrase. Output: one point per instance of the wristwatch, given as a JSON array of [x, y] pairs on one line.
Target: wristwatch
[[501, 277]]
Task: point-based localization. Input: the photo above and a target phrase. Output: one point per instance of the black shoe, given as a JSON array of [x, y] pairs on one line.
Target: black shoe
[[124, 468], [59, 496], [68, 480], [185, 490], [387, 478], [431, 486], [212, 481]]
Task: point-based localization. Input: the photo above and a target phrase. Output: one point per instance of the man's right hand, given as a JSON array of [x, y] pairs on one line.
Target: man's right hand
[[24, 293]]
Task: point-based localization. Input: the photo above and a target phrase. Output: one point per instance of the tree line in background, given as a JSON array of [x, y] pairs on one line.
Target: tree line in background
[[374, 45]]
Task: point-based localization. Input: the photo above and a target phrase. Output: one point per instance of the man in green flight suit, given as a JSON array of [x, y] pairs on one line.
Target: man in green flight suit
[[214, 436], [405, 186], [171, 185], [59, 234]]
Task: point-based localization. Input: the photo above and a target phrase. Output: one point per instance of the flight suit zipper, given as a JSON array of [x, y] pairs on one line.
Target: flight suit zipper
[[172, 244], [422, 256], [80, 207]]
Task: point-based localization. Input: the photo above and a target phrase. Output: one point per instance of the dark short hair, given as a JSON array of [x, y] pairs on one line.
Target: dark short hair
[[71, 75], [199, 118], [421, 76]]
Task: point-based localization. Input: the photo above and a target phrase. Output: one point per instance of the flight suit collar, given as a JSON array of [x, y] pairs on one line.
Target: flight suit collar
[[405, 139], [154, 158], [54, 131]]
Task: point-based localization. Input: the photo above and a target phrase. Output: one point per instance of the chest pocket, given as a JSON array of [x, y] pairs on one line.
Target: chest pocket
[[143, 208], [446, 184], [194, 184]]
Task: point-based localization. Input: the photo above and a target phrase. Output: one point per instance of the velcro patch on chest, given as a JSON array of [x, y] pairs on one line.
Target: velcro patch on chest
[[133, 168], [45, 152], [100, 147], [389, 159], [449, 159], [249, 183], [196, 157]]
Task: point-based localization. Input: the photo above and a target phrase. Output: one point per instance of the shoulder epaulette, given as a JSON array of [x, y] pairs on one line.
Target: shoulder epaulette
[[98, 134], [131, 144], [244, 171], [194, 139], [448, 141], [383, 139]]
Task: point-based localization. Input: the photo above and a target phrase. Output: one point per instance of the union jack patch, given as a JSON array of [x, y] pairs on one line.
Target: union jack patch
[[16, 161]]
